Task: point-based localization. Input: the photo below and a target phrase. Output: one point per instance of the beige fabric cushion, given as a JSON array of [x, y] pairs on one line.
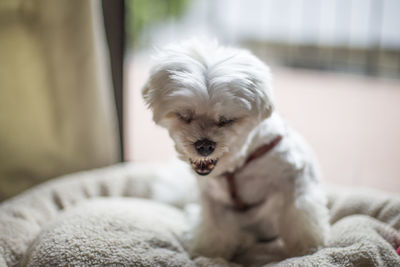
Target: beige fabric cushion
[[85, 213], [113, 231]]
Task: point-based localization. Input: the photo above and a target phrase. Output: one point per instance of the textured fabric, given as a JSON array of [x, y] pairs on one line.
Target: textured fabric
[[365, 231], [91, 218], [125, 232], [56, 105]]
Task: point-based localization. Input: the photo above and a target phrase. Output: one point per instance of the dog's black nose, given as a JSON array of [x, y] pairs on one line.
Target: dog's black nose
[[204, 147]]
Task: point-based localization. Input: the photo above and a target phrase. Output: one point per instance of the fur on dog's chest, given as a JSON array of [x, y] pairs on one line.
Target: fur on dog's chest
[[254, 185], [250, 184]]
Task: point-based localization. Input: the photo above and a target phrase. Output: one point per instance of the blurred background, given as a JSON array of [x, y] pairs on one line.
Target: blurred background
[[336, 69], [71, 74]]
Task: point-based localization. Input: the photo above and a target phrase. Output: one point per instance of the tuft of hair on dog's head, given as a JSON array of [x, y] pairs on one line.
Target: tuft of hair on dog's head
[[196, 74]]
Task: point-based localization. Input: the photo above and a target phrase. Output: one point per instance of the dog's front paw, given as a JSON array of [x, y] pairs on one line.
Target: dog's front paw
[[262, 253], [212, 247], [305, 228], [214, 242]]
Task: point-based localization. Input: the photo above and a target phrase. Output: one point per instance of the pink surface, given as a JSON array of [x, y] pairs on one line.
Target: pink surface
[[352, 122]]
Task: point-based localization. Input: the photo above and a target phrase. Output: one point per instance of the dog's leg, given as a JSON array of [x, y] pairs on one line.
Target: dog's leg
[[217, 234], [260, 254], [213, 241], [304, 225]]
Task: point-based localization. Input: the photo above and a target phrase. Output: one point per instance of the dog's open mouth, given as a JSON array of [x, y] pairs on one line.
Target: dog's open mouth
[[203, 166]]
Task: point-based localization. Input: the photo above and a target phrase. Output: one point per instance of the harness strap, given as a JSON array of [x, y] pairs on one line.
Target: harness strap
[[238, 203]]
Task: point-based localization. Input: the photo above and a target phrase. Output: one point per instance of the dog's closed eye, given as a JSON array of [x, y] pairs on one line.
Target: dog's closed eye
[[225, 121], [186, 118]]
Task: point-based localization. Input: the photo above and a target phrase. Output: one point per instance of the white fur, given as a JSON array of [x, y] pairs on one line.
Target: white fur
[[192, 87]]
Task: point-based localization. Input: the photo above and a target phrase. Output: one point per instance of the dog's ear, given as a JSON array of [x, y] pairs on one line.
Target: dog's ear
[[258, 80], [266, 101], [267, 108], [146, 94], [153, 100], [150, 99]]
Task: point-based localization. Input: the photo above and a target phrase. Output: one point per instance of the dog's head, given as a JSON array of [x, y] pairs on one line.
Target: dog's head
[[209, 98]]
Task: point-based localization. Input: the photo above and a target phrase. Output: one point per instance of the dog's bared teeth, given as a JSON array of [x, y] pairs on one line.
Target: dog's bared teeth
[[203, 166]]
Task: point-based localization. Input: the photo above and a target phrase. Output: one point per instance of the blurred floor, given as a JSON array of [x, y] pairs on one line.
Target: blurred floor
[[352, 122]]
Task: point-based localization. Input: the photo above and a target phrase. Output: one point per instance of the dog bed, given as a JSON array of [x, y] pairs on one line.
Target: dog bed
[[138, 215]]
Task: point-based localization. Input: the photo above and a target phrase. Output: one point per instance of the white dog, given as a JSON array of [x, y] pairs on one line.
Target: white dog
[[258, 179]]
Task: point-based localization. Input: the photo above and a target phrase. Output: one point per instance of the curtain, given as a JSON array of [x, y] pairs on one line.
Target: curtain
[[57, 111]]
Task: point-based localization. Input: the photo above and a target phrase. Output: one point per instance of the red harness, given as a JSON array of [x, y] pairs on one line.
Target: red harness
[[238, 204]]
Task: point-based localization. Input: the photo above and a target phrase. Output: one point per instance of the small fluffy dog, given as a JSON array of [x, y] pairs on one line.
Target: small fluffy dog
[[259, 182]]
